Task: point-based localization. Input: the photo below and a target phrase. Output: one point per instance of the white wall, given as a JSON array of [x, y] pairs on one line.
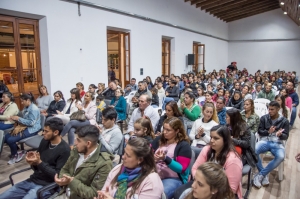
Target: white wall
[[64, 33], [266, 53]]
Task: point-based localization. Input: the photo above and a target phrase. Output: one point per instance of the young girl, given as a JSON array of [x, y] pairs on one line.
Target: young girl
[[208, 98], [143, 128], [100, 103], [201, 96], [227, 96]]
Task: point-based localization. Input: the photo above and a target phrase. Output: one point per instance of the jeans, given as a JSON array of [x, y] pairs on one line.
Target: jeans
[[11, 141], [5, 126], [71, 127], [23, 190], [165, 101], [293, 115], [170, 185], [276, 148]]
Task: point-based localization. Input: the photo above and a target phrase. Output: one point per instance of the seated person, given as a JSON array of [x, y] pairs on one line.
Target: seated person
[[57, 104], [70, 107], [227, 157], [142, 90], [160, 92], [290, 86], [109, 93], [288, 99], [249, 115], [155, 98], [90, 109], [80, 87], [131, 87], [172, 110], [273, 129], [190, 111], [87, 167], [101, 88], [200, 133], [241, 136], [256, 91], [92, 89], [143, 128], [246, 92], [136, 176], [210, 182], [28, 125], [8, 108], [284, 110], [172, 94], [110, 135], [200, 96], [236, 101], [221, 109], [52, 154], [172, 156], [118, 102], [267, 93], [44, 99], [220, 93], [101, 105], [208, 98], [144, 109]]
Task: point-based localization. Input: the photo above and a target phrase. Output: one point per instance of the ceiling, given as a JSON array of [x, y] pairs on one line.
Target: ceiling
[[231, 10]]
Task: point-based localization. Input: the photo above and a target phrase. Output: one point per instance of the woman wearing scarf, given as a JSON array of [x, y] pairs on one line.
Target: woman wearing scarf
[[236, 101], [136, 177]]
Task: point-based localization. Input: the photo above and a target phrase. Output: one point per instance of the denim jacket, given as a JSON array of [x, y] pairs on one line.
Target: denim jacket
[[31, 118]]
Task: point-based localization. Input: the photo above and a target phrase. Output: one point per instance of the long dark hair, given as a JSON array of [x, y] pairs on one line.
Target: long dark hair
[[216, 178], [75, 91], [252, 105], [222, 131], [141, 149], [283, 106], [60, 95], [28, 96], [237, 124], [175, 108]]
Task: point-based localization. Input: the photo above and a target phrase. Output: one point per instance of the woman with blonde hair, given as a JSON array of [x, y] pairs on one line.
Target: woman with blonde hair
[[172, 155], [210, 182], [249, 115], [200, 133], [44, 99]]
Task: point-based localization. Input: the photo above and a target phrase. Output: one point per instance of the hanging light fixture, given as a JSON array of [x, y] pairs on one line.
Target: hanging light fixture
[[281, 3], [285, 13]]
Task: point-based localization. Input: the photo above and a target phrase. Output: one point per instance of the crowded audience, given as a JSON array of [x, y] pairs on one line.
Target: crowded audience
[[168, 120]]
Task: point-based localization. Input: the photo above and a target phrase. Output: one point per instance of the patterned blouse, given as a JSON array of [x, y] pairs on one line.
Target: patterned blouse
[[252, 121]]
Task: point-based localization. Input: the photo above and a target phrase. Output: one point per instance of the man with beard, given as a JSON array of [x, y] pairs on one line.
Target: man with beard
[[47, 161], [87, 168]]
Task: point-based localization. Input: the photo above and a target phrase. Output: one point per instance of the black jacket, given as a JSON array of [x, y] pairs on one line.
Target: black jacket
[[239, 105], [109, 94], [55, 106], [266, 123], [155, 100], [173, 92]]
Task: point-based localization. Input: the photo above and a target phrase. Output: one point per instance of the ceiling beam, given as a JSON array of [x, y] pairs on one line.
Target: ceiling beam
[[236, 7], [226, 5], [292, 8], [197, 1], [248, 9], [219, 3], [255, 12], [207, 3]]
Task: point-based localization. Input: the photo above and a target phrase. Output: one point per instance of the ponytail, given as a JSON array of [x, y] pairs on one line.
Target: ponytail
[[28, 96]]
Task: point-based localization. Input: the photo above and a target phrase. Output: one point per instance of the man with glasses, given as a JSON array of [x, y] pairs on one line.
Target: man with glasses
[[47, 161], [109, 92]]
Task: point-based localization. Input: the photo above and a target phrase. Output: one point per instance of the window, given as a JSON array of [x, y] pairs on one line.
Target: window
[[199, 52], [20, 67], [165, 70]]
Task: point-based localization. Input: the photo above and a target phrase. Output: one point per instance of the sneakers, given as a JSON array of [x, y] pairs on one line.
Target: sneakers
[[257, 180], [12, 160], [20, 156], [265, 181]]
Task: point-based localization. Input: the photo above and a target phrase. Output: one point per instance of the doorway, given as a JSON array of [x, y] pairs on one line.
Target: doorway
[[166, 49], [20, 67], [118, 56]]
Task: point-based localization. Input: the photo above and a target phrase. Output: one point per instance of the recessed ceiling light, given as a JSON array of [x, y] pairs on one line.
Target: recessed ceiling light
[[4, 26], [285, 13], [282, 3]]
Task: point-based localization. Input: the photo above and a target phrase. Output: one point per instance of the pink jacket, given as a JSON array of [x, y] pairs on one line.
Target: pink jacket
[[289, 102], [233, 168], [90, 112], [150, 188]]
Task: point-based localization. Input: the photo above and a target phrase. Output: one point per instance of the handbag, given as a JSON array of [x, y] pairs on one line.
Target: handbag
[[18, 128], [79, 115]]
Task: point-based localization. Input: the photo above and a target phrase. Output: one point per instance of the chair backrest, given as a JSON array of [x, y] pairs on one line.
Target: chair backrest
[[1, 140], [262, 101], [121, 147], [253, 141], [127, 108], [193, 159], [257, 111], [261, 107], [43, 119], [130, 96], [107, 102]]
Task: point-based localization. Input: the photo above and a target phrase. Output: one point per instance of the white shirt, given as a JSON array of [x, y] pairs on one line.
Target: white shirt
[[81, 159]]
